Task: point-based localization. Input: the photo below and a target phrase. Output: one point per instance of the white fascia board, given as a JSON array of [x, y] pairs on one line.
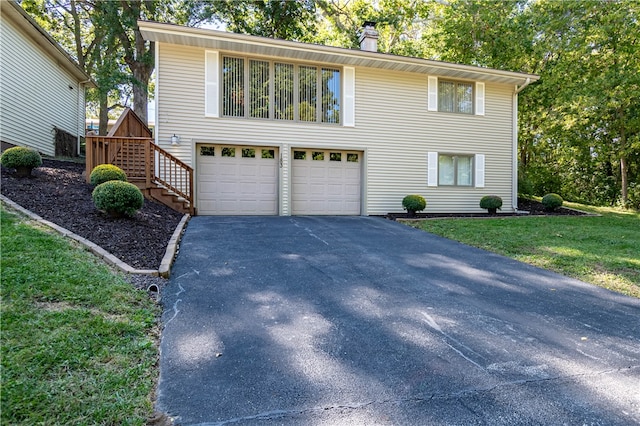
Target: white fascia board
[[221, 40]]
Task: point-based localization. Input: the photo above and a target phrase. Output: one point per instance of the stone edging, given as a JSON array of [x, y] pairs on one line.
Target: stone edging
[[165, 265]]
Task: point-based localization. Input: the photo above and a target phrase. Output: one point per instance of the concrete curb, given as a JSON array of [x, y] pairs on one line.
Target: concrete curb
[[165, 265], [172, 248]]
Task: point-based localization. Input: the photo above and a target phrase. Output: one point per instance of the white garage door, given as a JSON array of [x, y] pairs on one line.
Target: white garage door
[[237, 180], [325, 182]]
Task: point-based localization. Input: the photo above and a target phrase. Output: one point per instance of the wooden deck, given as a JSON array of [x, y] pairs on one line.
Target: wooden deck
[[155, 171], [159, 175]]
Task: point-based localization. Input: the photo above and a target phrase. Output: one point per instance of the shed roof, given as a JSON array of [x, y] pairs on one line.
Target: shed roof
[[253, 45], [26, 23]]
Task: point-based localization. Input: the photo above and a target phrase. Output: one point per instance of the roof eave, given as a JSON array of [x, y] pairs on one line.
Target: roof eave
[[220, 40]]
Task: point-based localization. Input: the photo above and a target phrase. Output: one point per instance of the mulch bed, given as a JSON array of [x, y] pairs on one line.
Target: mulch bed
[[534, 208], [57, 192]]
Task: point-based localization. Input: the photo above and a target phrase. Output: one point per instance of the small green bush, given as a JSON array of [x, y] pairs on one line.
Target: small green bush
[[118, 198], [22, 159], [414, 203], [552, 201], [491, 203], [106, 172]]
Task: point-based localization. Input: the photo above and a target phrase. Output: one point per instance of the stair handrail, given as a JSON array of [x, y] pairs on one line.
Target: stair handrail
[[161, 167], [188, 194]]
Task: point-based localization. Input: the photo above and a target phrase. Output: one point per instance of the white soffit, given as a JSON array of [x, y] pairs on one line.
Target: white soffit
[[262, 46]]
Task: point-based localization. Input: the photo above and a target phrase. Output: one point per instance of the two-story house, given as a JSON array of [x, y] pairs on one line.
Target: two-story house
[[274, 127]]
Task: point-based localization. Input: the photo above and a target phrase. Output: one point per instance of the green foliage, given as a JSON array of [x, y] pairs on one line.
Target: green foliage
[[105, 172], [579, 125], [552, 201], [414, 203], [118, 198], [491, 202], [78, 342], [18, 157], [634, 196]]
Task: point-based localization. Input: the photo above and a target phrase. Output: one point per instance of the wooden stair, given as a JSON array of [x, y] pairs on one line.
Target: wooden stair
[[159, 175], [167, 197]]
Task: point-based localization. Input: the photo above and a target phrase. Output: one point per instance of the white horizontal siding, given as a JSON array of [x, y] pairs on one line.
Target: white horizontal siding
[[393, 128], [34, 93]]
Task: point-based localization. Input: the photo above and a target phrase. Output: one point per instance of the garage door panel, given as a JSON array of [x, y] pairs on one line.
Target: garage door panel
[[236, 185], [325, 187]]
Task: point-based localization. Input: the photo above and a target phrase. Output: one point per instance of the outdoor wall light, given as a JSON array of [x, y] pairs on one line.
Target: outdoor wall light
[[175, 139]]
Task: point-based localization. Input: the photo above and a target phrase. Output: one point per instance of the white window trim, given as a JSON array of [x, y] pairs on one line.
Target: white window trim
[[478, 165], [479, 104], [478, 171], [211, 89], [432, 169], [349, 101], [432, 95]]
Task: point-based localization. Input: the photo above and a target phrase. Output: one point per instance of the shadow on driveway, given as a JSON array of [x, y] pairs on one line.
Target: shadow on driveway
[[354, 320]]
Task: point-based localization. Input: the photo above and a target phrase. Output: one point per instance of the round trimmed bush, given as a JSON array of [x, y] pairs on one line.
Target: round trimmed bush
[[491, 203], [106, 172], [22, 159], [414, 203], [552, 201], [117, 198]]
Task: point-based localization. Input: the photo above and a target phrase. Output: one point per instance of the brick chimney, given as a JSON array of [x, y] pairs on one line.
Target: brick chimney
[[369, 37]]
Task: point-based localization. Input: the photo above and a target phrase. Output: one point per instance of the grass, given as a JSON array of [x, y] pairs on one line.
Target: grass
[[78, 342], [602, 250]]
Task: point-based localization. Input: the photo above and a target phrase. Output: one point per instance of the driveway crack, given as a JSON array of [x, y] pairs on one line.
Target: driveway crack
[[458, 396]]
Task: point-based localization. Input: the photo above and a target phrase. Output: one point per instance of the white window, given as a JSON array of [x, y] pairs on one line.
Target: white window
[[280, 91], [455, 96], [455, 170]]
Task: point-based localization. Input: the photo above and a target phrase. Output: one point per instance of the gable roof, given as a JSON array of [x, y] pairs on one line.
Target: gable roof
[[247, 44], [44, 40]]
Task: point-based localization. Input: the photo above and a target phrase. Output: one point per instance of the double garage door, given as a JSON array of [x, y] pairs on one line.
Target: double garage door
[[244, 180]]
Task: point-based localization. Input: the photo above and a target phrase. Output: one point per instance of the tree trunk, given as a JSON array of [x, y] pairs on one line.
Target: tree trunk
[[624, 180], [140, 96], [104, 114]]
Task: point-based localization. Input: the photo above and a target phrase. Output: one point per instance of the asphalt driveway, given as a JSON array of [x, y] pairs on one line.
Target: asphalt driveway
[[352, 320]]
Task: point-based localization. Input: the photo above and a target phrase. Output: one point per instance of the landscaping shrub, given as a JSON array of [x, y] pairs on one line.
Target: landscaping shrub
[[106, 172], [117, 198], [491, 203], [551, 201], [22, 159], [414, 203]]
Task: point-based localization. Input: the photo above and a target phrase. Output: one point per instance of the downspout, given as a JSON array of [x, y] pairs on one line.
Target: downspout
[[514, 154], [524, 86], [82, 97]]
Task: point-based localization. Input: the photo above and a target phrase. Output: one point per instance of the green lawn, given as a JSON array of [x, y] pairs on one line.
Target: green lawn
[[78, 342], [603, 250]]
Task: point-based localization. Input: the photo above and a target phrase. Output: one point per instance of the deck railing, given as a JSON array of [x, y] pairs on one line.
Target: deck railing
[[143, 161]]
